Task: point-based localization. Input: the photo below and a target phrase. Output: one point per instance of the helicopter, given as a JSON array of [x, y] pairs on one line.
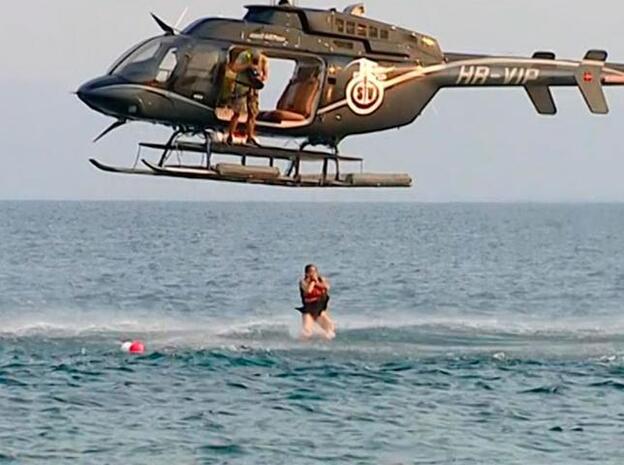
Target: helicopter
[[351, 75]]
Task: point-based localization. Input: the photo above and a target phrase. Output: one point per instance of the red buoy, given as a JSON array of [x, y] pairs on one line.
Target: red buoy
[[134, 347]]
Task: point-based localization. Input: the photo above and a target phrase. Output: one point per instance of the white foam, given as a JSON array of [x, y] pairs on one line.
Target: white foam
[[520, 325], [165, 329]]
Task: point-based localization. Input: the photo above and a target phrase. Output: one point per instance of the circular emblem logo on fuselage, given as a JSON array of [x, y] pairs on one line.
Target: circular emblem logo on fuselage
[[364, 95], [366, 91]]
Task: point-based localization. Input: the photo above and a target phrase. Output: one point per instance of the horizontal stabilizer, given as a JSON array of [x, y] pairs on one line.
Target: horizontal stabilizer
[[544, 55], [597, 55], [589, 79], [542, 99]]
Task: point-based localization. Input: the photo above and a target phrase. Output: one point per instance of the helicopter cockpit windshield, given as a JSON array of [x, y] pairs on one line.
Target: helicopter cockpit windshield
[[152, 62]]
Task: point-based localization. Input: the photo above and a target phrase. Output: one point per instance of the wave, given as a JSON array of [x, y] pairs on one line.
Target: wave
[[355, 332]]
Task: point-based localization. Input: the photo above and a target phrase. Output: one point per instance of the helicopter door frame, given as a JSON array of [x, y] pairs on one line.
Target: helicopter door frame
[[298, 58]]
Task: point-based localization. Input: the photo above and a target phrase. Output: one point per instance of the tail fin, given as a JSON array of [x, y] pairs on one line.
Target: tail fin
[[589, 79], [542, 99], [540, 95]]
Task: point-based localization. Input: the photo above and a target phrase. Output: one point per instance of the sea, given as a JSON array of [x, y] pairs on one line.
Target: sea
[[467, 334]]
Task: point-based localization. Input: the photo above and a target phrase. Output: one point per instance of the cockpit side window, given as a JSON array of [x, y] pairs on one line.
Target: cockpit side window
[[144, 52], [153, 62]]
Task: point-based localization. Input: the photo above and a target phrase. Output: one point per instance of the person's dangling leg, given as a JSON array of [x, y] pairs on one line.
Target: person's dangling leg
[[327, 325], [251, 130], [307, 326], [324, 319], [239, 106], [253, 109], [232, 128]]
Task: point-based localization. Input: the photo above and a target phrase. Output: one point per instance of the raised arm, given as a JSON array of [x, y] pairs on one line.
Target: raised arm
[[307, 287]]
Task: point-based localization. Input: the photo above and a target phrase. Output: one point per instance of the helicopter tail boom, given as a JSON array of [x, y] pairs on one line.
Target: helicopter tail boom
[[537, 75]]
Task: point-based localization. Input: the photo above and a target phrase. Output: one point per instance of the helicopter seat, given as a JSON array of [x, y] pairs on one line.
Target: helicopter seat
[[295, 104]]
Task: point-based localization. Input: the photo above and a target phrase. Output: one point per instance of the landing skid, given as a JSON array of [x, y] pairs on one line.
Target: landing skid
[[270, 175], [118, 169], [258, 175]]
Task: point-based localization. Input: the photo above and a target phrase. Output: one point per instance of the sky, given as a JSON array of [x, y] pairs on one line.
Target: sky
[[470, 145]]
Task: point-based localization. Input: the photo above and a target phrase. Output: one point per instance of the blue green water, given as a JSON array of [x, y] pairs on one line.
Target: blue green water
[[468, 334]]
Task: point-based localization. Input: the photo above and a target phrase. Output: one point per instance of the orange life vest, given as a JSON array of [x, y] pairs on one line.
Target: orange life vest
[[315, 294]]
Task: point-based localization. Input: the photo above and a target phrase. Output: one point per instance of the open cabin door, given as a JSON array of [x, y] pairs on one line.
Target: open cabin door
[[292, 91]]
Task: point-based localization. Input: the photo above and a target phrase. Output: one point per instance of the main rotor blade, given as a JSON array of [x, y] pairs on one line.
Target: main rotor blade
[[180, 19], [117, 124], [163, 25]]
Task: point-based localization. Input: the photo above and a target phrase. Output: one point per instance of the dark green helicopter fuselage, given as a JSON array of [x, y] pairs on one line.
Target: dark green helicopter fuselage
[[188, 94], [353, 75]]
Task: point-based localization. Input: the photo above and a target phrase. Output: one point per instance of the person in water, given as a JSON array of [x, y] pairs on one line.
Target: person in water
[[314, 291]]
